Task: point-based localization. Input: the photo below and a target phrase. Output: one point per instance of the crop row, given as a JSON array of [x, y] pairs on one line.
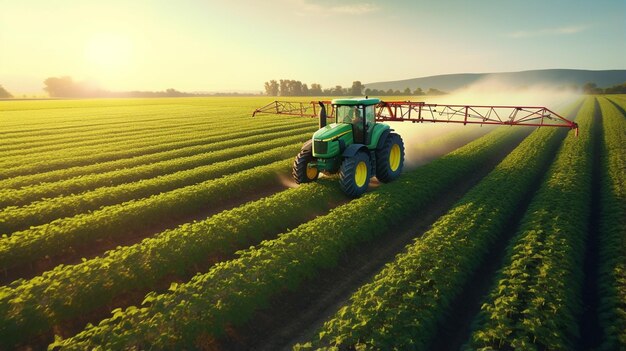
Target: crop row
[[36, 163], [114, 138], [116, 221], [232, 290], [619, 100], [51, 122], [613, 227], [24, 196], [537, 296], [154, 178], [14, 219], [183, 149], [88, 124], [125, 123], [103, 138], [73, 290], [403, 304]]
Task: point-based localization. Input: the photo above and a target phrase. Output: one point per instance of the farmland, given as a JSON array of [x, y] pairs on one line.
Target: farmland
[[174, 224]]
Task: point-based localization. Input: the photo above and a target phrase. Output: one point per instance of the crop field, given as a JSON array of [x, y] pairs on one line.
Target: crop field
[[172, 224]]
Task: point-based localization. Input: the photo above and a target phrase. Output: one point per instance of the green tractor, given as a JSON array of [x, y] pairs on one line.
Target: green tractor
[[355, 146]]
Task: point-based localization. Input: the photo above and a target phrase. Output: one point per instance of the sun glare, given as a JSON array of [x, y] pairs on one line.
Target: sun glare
[[108, 51]]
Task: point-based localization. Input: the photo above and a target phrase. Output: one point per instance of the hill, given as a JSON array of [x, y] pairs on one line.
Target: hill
[[559, 77]]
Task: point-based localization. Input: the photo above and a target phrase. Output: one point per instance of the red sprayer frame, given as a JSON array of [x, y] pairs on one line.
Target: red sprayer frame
[[420, 112]]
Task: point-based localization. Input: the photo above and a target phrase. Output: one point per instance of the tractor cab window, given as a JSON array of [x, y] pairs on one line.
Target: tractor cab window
[[370, 114], [353, 115], [370, 120], [345, 114]]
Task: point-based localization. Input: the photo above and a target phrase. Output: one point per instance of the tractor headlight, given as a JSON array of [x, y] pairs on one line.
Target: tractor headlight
[[320, 147]]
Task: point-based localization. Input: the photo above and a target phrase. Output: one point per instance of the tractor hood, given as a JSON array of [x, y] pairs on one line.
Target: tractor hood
[[332, 131]]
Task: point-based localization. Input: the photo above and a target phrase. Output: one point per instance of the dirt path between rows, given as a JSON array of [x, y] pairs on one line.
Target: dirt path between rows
[[295, 316], [591, 332]]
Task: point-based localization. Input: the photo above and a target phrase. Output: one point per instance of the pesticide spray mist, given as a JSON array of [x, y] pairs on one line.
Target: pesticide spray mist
[[427, 141]]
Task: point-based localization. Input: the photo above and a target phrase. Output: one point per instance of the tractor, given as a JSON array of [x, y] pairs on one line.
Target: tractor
[[355, 146]]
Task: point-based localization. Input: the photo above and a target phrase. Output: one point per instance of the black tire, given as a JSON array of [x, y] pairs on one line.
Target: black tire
[[300, 170], [390, 158], [351, 174]]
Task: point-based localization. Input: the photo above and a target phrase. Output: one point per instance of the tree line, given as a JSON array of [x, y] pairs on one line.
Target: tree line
[[592, 88], [66, 87], [290, 87], [406, 92]]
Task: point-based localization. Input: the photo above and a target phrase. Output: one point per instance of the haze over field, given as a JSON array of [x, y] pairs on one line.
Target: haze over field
[[237, 45]]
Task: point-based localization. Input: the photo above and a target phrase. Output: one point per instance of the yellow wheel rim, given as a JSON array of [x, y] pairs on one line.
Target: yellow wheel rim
[[360, 175], [311, 172], [394, 157]]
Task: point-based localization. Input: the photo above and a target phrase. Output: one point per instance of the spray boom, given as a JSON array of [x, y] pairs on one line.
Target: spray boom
[[421, 112]]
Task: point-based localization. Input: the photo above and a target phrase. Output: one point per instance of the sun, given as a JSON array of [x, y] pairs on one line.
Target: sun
[[108, 50]]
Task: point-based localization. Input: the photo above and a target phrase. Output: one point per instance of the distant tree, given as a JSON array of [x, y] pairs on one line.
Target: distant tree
[[316, 89], [418, 92], [284, 87], [305, 90], [368, 91], [61, 87], [407, 91], [357, 88], [295, 88], [268, 89], [4, 94], [591, 88], [616, 89], [171, 92], [338, 91], [271, 88], [433, 91], [389, 92]]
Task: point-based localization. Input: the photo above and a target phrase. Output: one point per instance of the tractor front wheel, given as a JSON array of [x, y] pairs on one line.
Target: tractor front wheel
[[301, 171], [390, 158], [354, 174]]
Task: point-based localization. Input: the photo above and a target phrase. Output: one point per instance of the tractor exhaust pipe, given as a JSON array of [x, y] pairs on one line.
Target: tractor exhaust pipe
[[322, 114]]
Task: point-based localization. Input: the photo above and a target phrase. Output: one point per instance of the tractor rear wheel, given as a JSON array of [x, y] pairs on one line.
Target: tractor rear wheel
[[390, 158], [354, 174], [301, 171]]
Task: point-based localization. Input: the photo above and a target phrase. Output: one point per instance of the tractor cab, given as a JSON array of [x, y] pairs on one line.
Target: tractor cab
[[360, 114]]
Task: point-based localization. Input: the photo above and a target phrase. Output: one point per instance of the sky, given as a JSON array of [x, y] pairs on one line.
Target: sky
[[237, 45]]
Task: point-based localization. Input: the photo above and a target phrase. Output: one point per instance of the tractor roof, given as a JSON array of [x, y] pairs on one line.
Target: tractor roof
[[355, 101]]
